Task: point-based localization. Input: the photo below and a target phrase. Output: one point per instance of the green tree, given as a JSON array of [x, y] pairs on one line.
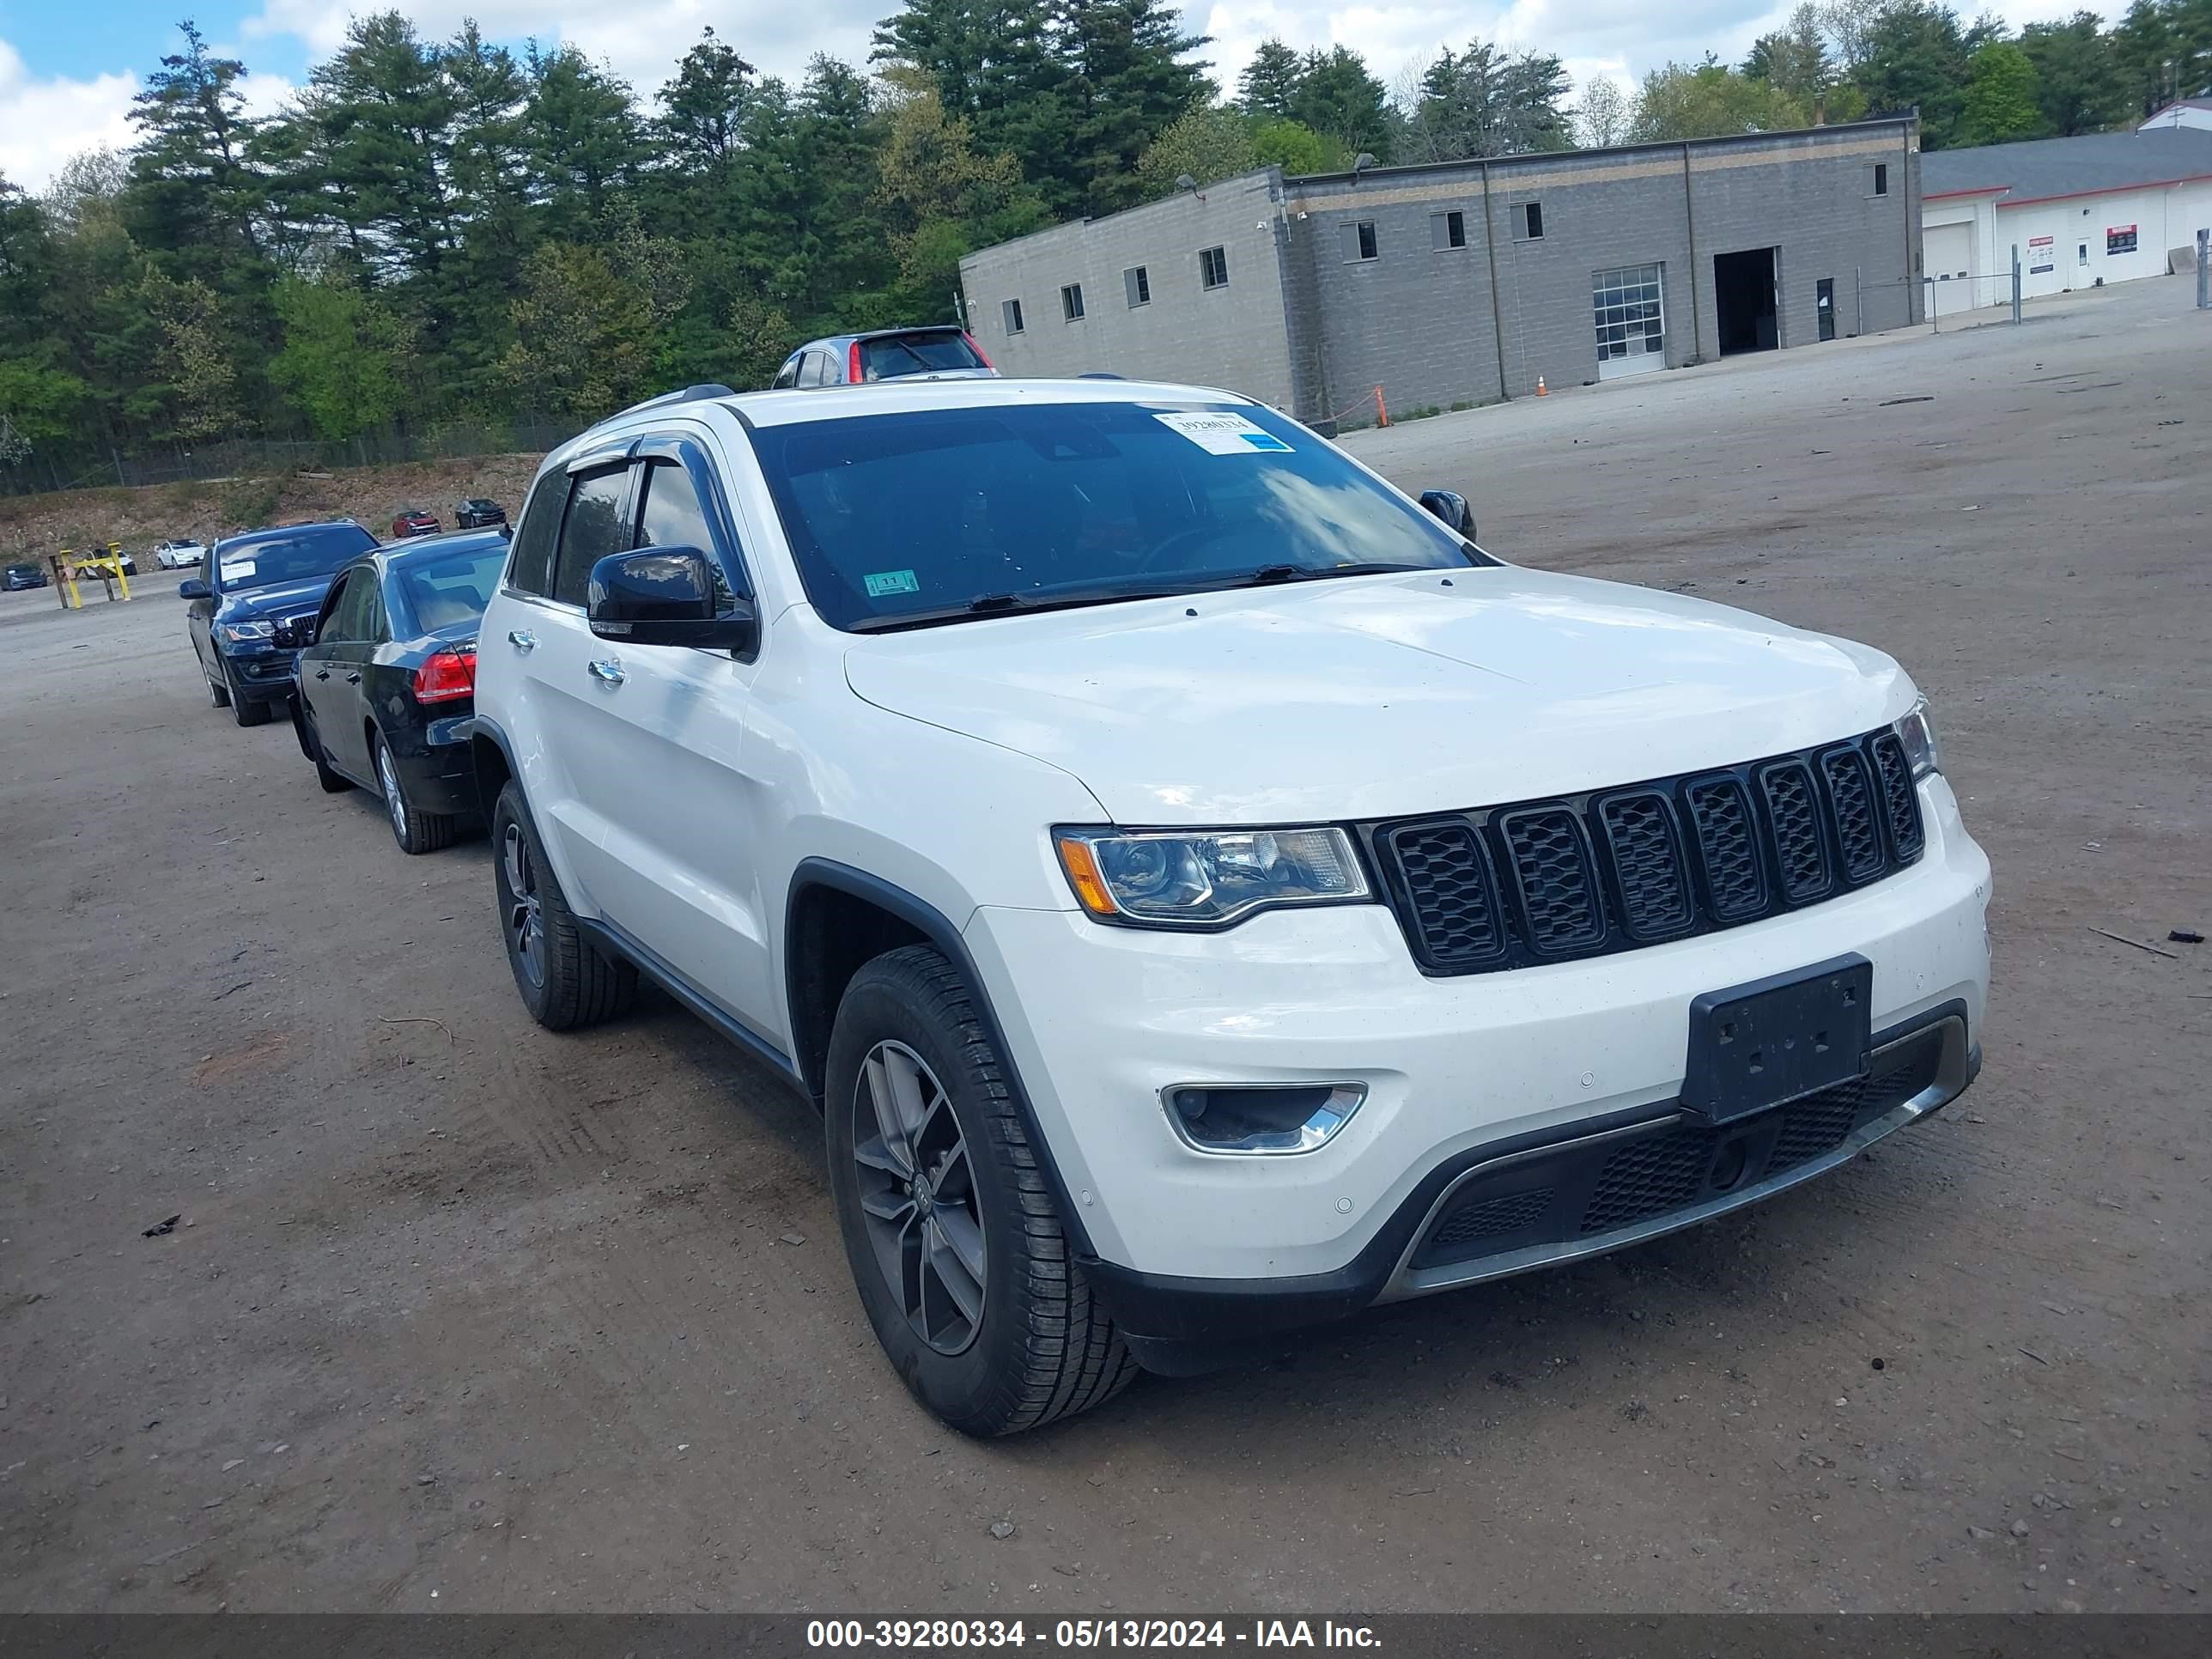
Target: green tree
[[197, 359], [1346, 106], [1129, 77], [1209, 143], [195, 195], [1296, 148], [1484, 102], [1793, 58], [1710, 101], [1917, 54], [2001, 103], [2080, 83], [1269, 84], [585, 139], [345, 357], [941, 197], [583, 337]]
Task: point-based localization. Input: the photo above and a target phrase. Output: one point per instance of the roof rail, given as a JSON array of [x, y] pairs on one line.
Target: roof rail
[[689, 394]]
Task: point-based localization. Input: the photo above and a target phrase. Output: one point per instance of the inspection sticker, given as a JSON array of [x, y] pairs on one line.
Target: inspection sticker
[[881, 582], [1222, 435], [237, 569]]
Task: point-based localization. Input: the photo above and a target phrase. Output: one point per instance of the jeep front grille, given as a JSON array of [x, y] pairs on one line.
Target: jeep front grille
[[1544, 881]]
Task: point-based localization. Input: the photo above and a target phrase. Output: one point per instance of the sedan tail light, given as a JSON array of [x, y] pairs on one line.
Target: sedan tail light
[[447, 674]]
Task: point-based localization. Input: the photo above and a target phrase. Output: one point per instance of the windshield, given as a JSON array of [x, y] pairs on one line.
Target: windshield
[[288, 555], [444, 588], [931, 514], [895, 355]]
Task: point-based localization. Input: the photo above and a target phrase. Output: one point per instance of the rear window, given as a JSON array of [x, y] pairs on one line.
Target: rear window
[[918, 353], [287, 555], [898, 515], [444, 588]]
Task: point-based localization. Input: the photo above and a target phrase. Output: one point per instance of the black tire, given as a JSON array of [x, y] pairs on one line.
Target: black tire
[[248, 711], [574, 984], [220, 693], [311, 740], [1043, 1348], [415, 830]]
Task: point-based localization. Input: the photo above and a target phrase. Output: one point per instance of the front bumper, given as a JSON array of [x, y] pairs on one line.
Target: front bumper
[[260, 676], [1460, 1073]]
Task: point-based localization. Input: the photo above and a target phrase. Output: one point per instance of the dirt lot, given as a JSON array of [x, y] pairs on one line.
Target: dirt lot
[[460, 1314]]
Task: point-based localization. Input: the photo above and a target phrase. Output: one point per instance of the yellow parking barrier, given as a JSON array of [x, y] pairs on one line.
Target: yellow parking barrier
[[108, 567]]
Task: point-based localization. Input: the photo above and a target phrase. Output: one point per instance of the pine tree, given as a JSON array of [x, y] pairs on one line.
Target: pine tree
[[1269, 85]]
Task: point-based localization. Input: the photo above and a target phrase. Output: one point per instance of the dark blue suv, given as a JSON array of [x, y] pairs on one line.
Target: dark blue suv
[[253, 606]]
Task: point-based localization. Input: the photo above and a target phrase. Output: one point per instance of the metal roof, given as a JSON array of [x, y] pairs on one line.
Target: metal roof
[[2090, 165]]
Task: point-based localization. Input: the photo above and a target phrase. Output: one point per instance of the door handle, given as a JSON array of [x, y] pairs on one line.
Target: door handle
[[607, 670], [322, 674], [522, 638], [353, 679]]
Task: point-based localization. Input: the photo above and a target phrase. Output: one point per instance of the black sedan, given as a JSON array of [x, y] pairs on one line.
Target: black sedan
[[390, 678], [479, 513], [249, 610]]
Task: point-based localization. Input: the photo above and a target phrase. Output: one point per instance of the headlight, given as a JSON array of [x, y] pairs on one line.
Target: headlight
[[246, 633], [1917, 733], [1209, 880]]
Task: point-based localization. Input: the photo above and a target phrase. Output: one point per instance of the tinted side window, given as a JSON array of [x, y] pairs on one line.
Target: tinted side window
[[332, 627], [674, 516], [787, 375], [530, 565], [593, 528], [375, 625]]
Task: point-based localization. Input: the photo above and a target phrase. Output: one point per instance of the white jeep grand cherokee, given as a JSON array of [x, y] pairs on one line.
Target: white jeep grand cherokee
[[1205, 894]]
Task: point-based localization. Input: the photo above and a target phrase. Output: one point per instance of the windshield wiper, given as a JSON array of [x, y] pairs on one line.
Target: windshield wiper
[[992, 605], [1269, 574]]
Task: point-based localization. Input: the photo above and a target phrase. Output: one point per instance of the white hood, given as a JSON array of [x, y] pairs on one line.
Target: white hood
[[1370, 697]]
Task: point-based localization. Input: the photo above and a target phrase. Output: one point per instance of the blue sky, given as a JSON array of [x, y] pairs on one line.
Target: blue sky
[[68, 67]]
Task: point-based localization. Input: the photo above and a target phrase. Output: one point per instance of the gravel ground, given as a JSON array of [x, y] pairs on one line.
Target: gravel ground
[[462, 1315]]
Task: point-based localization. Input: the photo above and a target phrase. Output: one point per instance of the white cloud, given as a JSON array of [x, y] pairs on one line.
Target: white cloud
[[45, 122]]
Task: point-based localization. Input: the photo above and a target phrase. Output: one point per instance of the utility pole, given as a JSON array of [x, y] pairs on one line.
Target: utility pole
[[2203, 271], [2016, 284]]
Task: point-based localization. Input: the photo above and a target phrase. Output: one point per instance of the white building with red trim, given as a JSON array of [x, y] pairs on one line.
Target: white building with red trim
[[2108, 207]]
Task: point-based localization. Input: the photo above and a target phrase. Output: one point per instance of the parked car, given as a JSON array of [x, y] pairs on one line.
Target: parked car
[[478, 514], [129, 562], [389, 678], [413, 521], [888, 353], [180, 556], [18, 577], [253, 609], [1207, 893]]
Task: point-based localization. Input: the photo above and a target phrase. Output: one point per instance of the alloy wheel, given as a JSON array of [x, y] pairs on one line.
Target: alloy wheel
[[524, 916], [923, 1215], [394, 802]]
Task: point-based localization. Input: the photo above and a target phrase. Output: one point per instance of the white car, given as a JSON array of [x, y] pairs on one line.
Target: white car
[[1204, 893], [180, 556]]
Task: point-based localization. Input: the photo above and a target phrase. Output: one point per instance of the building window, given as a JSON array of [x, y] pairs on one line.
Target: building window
[[1359, 242], [1881, 178], [1139, 285], [1214, 267], [1527, 222], [1010, 310], [1071, 302], [1447, 230]]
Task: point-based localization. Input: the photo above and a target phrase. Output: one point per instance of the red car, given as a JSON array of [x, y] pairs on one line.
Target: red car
[[413, 521]]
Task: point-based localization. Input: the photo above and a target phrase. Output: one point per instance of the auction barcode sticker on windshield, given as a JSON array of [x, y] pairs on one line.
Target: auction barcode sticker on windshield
[[237, 568], [1222, 435]]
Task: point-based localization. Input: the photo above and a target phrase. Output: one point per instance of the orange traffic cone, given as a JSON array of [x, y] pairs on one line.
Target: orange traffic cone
[[1541, 393]]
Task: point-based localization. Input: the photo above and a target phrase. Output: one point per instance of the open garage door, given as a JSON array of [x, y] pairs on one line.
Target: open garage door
[[1946, 256]]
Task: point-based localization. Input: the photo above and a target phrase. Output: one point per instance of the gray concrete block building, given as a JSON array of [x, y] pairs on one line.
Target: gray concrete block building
[[1467, 282]]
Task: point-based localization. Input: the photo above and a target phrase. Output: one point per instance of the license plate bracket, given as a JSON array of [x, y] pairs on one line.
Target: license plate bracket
[[1775, 1040]]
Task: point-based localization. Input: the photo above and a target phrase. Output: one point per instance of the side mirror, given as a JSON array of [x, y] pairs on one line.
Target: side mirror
[[665, 596], [1451, 506], [193, 588]]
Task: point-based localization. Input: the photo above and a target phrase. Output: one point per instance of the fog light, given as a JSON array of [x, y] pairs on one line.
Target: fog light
[[1261, 1117]]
